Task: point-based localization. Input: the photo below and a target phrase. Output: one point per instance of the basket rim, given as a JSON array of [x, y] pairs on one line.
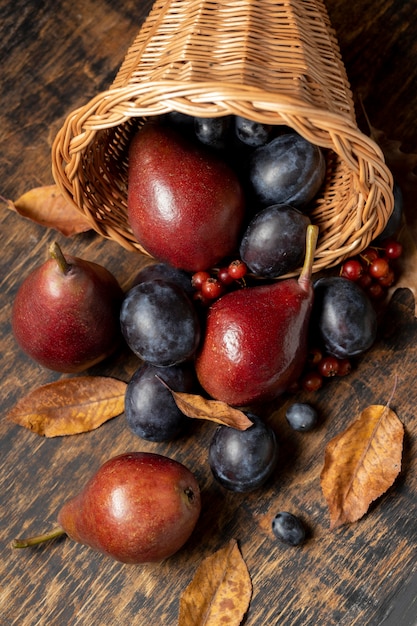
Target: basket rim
[[337, 131], [115, 106]]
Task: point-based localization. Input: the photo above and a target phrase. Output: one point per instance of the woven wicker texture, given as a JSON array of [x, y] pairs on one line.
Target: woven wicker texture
[[272, 61]]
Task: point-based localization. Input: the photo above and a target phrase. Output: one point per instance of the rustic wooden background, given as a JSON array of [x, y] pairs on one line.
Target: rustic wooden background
[[55, 56]]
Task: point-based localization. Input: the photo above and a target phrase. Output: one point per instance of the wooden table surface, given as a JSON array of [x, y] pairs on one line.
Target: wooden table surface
[[55, 56]]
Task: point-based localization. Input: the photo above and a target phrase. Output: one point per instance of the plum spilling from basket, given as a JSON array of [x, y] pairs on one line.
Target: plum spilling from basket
[[224, 205], [227, 201]]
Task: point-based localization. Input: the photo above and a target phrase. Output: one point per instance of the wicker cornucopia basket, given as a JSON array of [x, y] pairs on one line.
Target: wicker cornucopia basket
[[276, 62]]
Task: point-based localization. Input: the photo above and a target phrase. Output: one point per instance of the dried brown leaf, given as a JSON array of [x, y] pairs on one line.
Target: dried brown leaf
[[403, 166], [70, 406], [361, 463], [197, 407], [48, 207], [220, 591]]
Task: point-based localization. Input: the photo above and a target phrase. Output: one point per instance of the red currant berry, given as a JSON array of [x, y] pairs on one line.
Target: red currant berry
[[388, 280], [376, 291], [224, 276], [352, 269], [200, 299], [237, 269], [211, 288], [328, 366], [312, 381], [369, 255], [393, 249], [379, 268], [198, 279], [314, 357], [345, 367], [365, 281]]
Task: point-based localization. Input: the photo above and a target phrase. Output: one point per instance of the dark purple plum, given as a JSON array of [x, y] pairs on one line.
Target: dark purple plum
[[242, 460], [213, 131], [287, 170], [164, 271], [301, 416], [275, 240], [180, 119], [395, 219], [343, 316], [150, 409], [159, 323], [252, 133], [288, 528]]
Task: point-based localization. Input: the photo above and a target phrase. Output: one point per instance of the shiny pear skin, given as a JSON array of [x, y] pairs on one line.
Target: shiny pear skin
[[139, 507], [68, 321], [255, 342], [185, 204]]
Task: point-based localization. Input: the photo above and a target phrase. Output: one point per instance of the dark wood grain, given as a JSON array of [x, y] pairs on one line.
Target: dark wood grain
[[55, 56]]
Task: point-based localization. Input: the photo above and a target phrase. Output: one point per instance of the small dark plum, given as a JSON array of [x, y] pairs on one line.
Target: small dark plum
[[344, 317], [164, 271], [288, 528], [252, 133], [213, 131], [301, 416], [150, 409], [181, 119], [394, 222], [289, 169], [274, 242], [242, 460], [159, 323]]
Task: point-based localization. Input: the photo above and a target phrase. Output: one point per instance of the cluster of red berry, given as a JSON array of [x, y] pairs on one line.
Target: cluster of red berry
[[372, 269], [321, 366], [211, 285]]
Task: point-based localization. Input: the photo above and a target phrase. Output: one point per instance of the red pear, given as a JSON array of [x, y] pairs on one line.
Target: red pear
[[139, 507], [66, 313], [185, 204], [255, 343]]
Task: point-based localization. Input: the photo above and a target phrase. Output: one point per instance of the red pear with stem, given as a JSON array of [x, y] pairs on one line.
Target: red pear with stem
[[255, 344], [66, 313], [139, 507]]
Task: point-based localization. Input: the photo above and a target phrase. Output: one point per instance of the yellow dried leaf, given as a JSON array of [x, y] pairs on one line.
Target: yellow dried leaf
[[70, 406], [197, 407], [48, 207], [220, 591], [361, 463]]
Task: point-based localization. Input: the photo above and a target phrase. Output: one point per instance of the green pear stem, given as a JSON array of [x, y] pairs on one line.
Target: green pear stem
[[56, 253], [36, 540], [312, 235]]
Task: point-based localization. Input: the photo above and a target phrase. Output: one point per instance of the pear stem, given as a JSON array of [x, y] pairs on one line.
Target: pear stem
[[311, 242], [36, 540], [56, 253]]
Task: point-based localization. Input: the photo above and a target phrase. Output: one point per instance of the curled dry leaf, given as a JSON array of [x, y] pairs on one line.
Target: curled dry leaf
[[195, 406], [48, 207], [220, 591], [70, 406], [361, 463]]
